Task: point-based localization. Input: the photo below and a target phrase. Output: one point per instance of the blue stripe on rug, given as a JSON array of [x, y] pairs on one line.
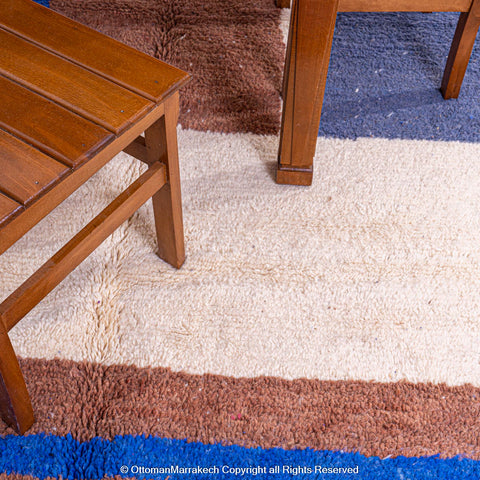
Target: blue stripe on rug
[[50, 456], [46, 3], [384, 79]]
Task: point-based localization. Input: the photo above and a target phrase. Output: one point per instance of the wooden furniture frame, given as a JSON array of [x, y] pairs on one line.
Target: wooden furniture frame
[[310, 38], [71, 100]]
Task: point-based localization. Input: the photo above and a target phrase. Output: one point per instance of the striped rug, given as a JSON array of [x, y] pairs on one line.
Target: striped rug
[[323, 332]]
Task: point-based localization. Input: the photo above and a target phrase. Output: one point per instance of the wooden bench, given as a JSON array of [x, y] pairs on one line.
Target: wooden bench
[[71, 100]]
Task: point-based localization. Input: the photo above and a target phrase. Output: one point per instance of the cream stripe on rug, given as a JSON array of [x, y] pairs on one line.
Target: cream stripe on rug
[[372, 273]]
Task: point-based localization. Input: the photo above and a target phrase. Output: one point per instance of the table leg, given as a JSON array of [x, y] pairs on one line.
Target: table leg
[[161, 143], [310, 38], [15, 406], [460, 51]]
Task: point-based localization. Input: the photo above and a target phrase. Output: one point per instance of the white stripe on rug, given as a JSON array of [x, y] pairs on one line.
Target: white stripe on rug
[[371, 273]]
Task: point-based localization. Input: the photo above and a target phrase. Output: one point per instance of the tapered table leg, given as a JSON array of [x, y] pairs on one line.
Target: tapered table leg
[[161, 143], [312, 24], [15, 406], [460, 51]]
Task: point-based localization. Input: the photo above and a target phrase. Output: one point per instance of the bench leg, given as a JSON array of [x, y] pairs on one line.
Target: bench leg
[[308, 53], [460, 51], [161, 143], [15, 406]]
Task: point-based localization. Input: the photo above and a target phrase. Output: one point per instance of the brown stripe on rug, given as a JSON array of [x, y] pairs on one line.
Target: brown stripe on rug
[[89, 400], [232, 48]]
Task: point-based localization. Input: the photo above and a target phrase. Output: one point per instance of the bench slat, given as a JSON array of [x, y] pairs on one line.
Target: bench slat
[[13, 230], [8, 208], [26, 172], [49, 127], [74, 87], [118, 62]]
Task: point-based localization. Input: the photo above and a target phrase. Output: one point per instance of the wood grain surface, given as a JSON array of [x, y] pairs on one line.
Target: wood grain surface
[[77, 89], [94, 51], [26, 172], [54, 130], [71, 100]]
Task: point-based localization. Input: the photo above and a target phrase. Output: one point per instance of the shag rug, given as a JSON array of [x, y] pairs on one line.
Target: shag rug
[[329, 327]]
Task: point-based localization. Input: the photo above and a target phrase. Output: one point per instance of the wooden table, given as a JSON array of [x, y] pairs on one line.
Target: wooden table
[[71, 100], [312, 25]]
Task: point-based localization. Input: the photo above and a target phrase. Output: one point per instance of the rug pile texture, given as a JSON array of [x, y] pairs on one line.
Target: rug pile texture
[[332, 327]]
